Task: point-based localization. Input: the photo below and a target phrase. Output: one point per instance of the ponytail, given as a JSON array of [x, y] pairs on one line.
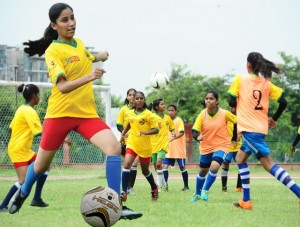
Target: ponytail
[[39, 46], [28, 91], [262, 66]]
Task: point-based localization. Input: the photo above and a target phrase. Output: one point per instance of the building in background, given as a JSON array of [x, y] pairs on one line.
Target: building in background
[[16, 65]]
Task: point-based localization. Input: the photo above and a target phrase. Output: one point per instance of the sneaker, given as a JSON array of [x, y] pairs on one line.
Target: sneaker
[[238, 189], [195, 198], [130, 191], [3, 210], [16, 203], [224, 189], [128, 214], [123, 196], [204, 195], [38, 203], [243, 205], [154, 194], [185, 188]]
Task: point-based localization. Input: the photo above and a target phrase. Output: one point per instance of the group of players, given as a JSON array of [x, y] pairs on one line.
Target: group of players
[[71, 107]]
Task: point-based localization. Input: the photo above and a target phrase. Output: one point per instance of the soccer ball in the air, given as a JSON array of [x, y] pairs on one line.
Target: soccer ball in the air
[[159, 80], [101, 206]]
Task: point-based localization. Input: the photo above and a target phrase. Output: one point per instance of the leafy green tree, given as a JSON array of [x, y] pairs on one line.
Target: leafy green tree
[[187, 91]]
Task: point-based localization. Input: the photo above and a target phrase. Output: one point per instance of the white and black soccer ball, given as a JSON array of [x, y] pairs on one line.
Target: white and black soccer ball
[[101, 206], [159, 80]]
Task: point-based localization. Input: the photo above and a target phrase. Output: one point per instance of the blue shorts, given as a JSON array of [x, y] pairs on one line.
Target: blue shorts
[[171, 161], [205, 160], [230, 156], [254, 143]]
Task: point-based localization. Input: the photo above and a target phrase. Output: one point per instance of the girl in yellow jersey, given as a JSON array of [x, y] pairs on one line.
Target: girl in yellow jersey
[[160, 141], [296, 140], [24, 127], [122, 121], [250, 95], [71, 105], [142, 123], [210, 129]]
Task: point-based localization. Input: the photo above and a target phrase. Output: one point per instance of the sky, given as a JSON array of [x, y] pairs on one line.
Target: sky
[[210, 37]]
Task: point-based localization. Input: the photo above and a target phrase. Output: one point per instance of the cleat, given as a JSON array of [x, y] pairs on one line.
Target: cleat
[[38, 203], [195, 198], [204, 195], [128, 214], [154, 194], [240, 189], [16, 202], [165, 188], [123, 196], [224, 189], [3, 210], [243, 205], [130, 191], [185, 189]]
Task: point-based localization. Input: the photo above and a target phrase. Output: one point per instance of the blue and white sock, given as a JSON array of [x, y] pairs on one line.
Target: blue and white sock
[[245, 177], [281, 175], [10, 194], [210, 179], [200, 179]]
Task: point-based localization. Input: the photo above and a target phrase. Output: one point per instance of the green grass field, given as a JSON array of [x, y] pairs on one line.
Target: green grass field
[[274, 205]]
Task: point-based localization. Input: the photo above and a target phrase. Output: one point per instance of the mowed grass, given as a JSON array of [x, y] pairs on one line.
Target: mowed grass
[[274, 205]]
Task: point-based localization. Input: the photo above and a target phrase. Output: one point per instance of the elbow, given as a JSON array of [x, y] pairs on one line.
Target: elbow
[[283, 103], [232, 101]]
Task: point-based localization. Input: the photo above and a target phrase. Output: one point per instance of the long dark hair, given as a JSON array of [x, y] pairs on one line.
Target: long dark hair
[[39, 46], [28, 91], [262, 66]]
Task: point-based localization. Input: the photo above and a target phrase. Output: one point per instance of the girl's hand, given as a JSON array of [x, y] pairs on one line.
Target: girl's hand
[[142, 133], [97, 73], [200, 137], [272, 123]]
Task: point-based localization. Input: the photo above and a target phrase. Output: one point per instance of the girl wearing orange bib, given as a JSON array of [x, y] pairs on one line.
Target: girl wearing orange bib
[[250, 95], [210, 129]]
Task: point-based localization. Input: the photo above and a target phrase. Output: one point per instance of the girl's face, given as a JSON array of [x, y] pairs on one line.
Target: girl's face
[[36, 98], [210, 101], [130, 96], [65, 25], [161, 107], [172, 112], [139, 101]]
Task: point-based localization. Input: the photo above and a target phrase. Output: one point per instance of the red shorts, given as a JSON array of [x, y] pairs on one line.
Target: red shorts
[[55, 130], [142, 160], [20, 164]]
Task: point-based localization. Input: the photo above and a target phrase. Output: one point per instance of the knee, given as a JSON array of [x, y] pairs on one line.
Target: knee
[[145, 172]]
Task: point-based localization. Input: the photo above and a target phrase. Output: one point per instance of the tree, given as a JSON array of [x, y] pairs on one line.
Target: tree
[[187, 91]]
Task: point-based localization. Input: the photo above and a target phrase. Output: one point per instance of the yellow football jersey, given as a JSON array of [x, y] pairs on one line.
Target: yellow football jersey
[[160, 141], [143, 121], [122, 118], [73, 62], [25, 125]]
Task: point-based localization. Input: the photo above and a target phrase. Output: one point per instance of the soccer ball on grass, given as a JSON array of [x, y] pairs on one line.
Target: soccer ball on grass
[[101, 206]]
